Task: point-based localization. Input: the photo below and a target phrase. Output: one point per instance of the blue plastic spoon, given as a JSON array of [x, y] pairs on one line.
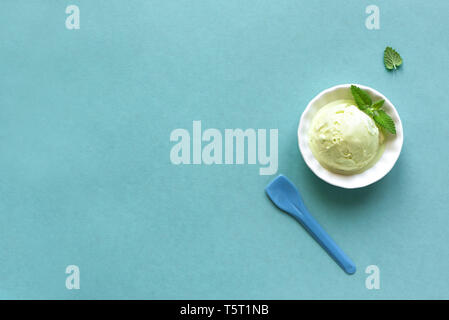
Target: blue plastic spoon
[[286, 197]]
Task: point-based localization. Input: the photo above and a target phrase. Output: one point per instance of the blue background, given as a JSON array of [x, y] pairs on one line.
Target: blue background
[[85, 173]]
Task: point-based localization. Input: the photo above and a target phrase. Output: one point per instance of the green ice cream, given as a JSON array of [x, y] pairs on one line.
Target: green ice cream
[[343, 138]]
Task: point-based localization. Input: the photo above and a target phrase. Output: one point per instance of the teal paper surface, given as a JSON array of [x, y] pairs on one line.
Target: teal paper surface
[[85, 171]]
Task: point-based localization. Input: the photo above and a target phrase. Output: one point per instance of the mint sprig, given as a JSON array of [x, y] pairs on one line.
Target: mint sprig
[[373, 109]]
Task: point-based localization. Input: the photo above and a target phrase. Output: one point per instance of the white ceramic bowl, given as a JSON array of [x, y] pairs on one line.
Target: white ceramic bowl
[[393, 143]]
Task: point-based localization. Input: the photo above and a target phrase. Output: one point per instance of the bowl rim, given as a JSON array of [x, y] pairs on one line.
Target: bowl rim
[[338, 179]]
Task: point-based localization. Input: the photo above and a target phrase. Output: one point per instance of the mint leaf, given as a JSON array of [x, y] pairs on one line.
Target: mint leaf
[[369, 112], [363, 107], [384, 120], [392, 59], [361, 98], [373, 109], [378, 104]]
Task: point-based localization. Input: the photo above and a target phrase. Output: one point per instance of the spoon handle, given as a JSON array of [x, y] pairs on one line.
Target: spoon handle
[[323, 238]]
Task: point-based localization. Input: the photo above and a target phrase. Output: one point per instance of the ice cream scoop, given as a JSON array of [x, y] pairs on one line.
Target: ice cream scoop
[[389, 148], [343, 138]]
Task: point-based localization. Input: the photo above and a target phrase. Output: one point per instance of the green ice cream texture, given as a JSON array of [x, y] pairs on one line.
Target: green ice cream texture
[[344, 139]]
